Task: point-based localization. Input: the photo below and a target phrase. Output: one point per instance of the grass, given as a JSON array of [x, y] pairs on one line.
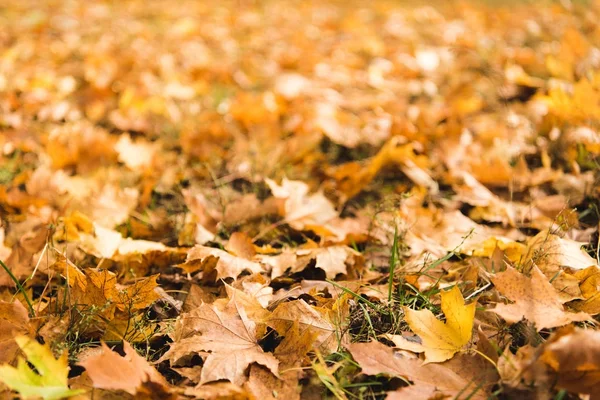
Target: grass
[[20, 288], [370, 319], [84, 325]]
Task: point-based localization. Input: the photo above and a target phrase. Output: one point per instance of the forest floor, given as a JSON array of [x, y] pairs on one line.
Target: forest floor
[[299, 199]]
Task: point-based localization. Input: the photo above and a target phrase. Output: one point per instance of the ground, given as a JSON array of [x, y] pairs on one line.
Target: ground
[[299, 199]]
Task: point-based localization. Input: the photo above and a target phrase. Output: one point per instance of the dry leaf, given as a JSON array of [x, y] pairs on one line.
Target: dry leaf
[[463, 374], [240, 245], [48, 381], [589, 281], [109, 371], [549, 252], [442, 340], [313, 319], [573, 359], [301, 209], [13, 322], [333, 260], [229, 335], [227, 265], [262, 384], [534, 299], [137, 154]]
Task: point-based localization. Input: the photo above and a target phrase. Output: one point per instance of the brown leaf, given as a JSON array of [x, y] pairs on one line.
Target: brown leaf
[[589, 281], [99, 290], [251, 305], [295, 345], [240, 245], [534, 299], [262, 384], [231, 338], [470, 375], [549, 252], [14, 321], [333, 260], [108, 370], [301, 208], [313, 319], [227, 266], [218, 391], [139, 295], [573, 358]]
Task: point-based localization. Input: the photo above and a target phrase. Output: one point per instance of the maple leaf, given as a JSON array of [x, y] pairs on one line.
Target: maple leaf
[[112, 205], [98, 289], [14, 321], [549, 252], [301, 208], [589, 281], [251, 305], [462, 374], [442, 340], [295, 345], [230, 337], [573, 358], [109, 371], [333, 260], [72, 226], [139, 295], [108, 243], [313, 319], [262, 384], [136, 155], [535, 299], [51, 380], [227, 265], [119, 308], [512, 367], [240, 244]]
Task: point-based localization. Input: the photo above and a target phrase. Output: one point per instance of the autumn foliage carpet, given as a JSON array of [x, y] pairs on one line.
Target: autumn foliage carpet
[[299, 199]]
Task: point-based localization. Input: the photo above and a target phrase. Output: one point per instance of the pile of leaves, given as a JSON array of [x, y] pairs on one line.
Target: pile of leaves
[[290, 199]]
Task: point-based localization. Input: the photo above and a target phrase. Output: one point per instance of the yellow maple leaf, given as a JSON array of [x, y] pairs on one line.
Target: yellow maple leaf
[[442, 340], [49, 381]]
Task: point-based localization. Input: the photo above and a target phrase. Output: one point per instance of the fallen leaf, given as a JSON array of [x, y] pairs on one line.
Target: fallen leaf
[[313, 319], [109, 371], [442, 340], [99, 289], [140, 295], [535, 299], [230, 337], [50, 379], [406, 342], [589, 282], [218, 391], [227, 265], [550, 252], [301, 209], [294, 347], [333, 260], [136, 155], [13, 322], [107, 243], [573, 359], [262, 384], [240, 245], [464, 374], [511, 367], [255, 310]]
